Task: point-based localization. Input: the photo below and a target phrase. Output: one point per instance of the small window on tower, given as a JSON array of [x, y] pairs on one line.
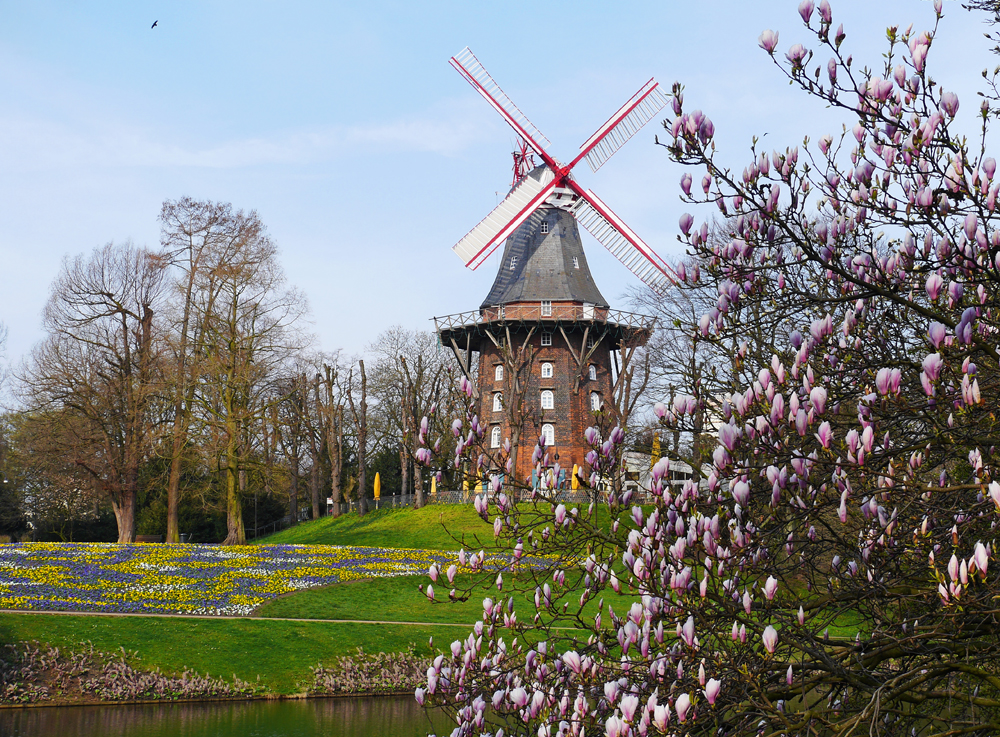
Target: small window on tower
[[576, 262], [546, 308], [590, 342], [592, 374], [548, 400], [498, 402], [498, 373], [595, 402], [546, 370], [513, 262], [495, 437], [549, 435], [545, 227], [546, 338]]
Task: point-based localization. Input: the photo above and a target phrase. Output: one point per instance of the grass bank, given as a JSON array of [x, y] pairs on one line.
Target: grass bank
[[277, 655], [435, 527]]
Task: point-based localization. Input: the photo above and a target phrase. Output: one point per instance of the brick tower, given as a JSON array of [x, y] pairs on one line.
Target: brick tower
[[549, 347]]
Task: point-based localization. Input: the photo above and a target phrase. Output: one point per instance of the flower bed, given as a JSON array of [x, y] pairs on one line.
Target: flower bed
[[185, 579]]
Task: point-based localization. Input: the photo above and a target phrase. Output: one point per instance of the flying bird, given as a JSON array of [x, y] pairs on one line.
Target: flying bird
[[155, 22]]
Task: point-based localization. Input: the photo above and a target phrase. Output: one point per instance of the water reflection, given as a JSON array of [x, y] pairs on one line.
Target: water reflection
[[355, 717]]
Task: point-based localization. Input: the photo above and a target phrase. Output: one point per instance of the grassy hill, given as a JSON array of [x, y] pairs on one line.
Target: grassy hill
[[435, 527]]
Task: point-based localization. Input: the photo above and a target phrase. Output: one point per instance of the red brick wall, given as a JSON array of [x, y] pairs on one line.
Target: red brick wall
[[571, 414]]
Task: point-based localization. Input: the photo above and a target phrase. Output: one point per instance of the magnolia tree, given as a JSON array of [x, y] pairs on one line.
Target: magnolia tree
[[834, 573]]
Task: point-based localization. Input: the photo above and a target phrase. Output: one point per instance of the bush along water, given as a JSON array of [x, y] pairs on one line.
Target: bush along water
[[31, 673], [371, 674]]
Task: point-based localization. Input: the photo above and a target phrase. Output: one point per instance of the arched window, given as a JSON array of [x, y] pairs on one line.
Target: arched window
[[498, 372], [498, 402], [495, 437], [546, 370], [548, 402], [593, 372], [549, 434], [595, 401]]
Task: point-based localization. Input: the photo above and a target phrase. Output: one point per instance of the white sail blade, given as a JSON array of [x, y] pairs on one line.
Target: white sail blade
[[612, 233], [624, 124], [475, 74], [496, 227]]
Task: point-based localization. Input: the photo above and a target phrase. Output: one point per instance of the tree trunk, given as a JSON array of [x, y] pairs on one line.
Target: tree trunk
[[293, 491], [235, 534], [124, 506]]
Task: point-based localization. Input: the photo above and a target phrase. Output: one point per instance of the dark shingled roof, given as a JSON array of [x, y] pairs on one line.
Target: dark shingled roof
[[544, 268]]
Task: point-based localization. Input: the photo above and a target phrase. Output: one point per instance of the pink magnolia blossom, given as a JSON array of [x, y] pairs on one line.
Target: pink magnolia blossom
[[686, 183], [937, 332], [629, 705], [572, 659], [981, 557], [770, 638], [712, 689], [806, 8], [932, 364], [615, 727], [818, 399], [825, 14], [682, 705], [685, 223], [934, 285], [796, 54], [770, 588], [825, 435], [949, 103], [768, 41]]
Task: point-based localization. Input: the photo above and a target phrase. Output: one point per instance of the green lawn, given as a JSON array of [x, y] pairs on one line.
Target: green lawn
[[281, 653], [435, 527]]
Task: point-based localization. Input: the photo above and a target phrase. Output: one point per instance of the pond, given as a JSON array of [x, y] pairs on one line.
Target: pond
[[388, 716]]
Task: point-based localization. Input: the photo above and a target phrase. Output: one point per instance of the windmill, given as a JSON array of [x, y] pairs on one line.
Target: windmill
[[553, 355], [555, 183]]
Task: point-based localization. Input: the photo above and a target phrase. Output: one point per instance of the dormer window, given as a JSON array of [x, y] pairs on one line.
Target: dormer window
[[545, 227], [546, 308], [513, 262]]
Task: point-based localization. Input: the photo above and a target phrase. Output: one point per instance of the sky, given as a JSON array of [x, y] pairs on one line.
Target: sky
[[364, 152]]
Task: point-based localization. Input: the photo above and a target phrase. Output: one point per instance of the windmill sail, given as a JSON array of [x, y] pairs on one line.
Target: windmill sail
[[495, 228], [624, 124], [475, 74], [612, 233]]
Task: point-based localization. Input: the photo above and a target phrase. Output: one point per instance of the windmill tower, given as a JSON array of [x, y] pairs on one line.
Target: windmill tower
[[551, 350]]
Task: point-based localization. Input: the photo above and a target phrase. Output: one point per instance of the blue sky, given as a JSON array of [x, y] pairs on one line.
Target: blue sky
[[368, 157]]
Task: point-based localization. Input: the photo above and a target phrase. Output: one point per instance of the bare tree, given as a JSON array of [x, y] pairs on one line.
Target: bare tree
[[94, 378], [359, 412], [248, 328], [193, 233]]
